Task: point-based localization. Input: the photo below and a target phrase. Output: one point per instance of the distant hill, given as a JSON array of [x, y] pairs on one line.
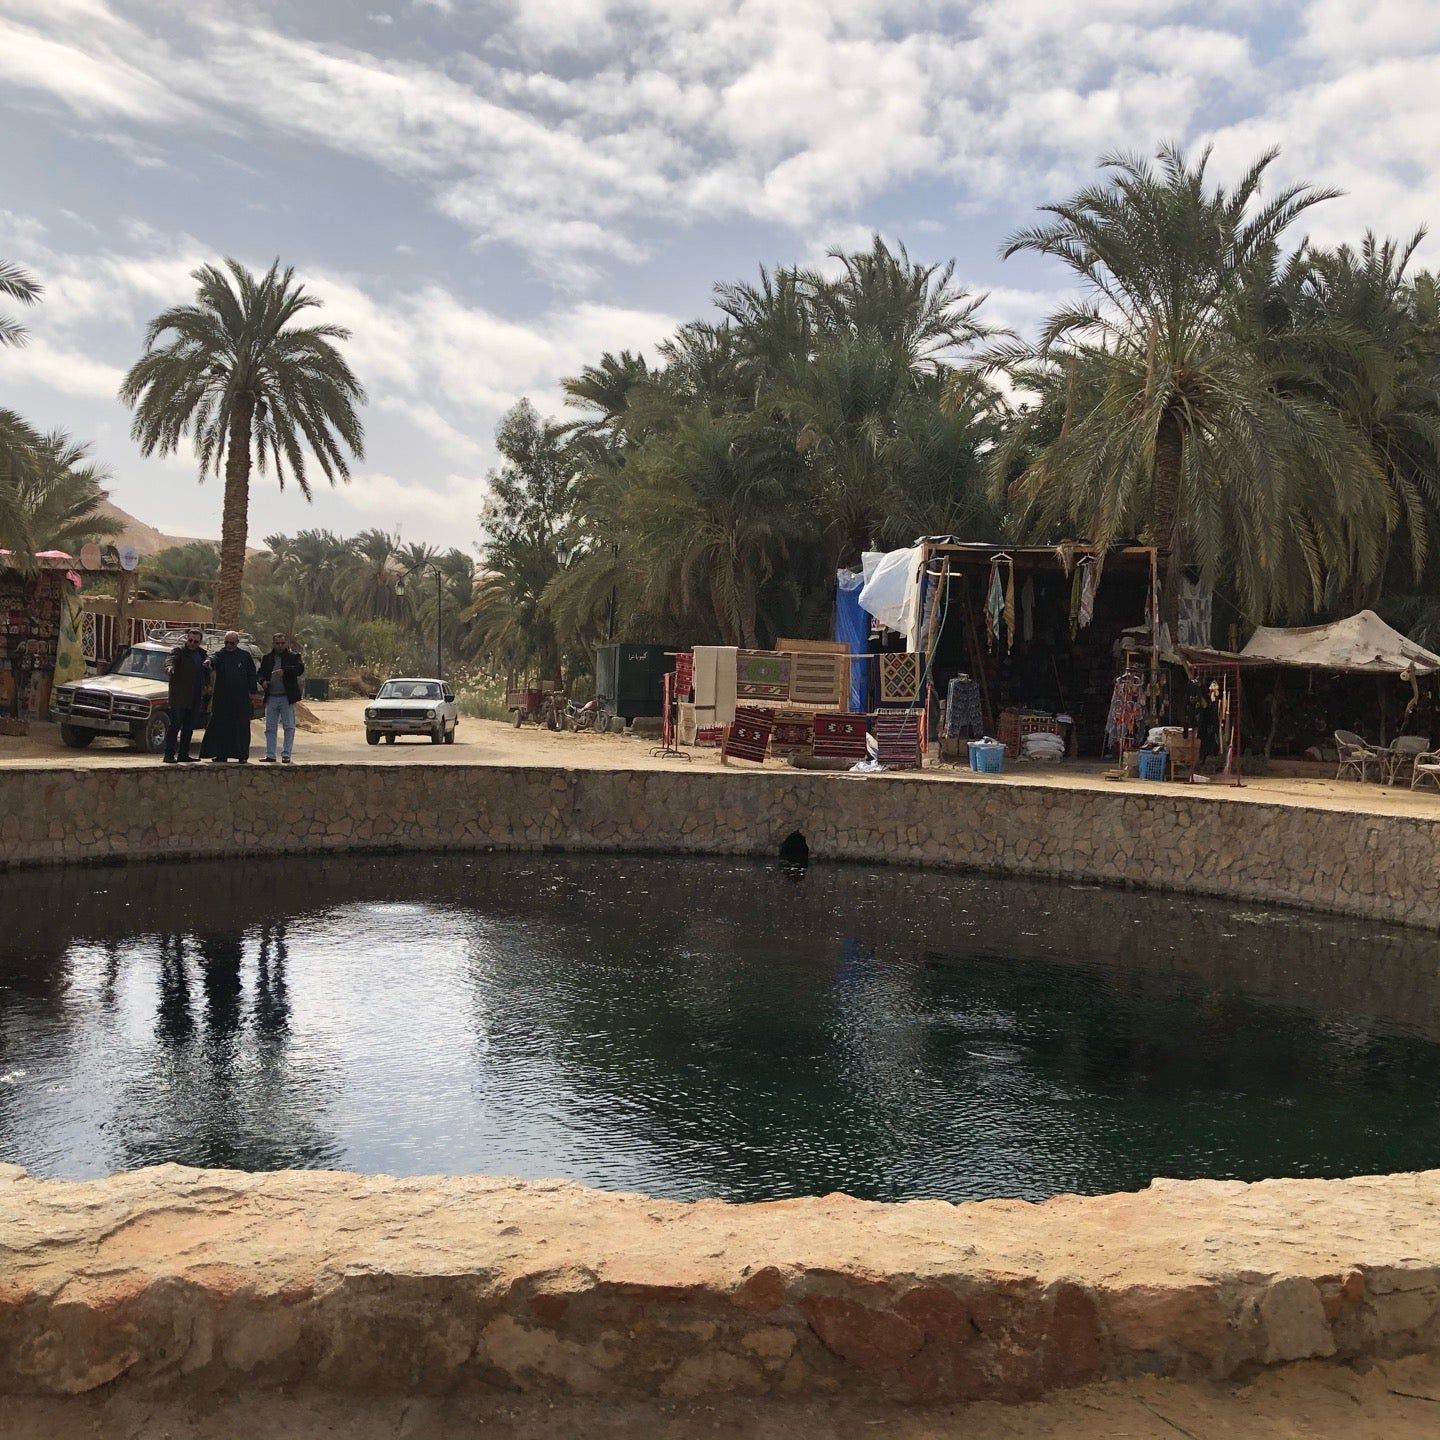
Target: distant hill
[[145, 538]]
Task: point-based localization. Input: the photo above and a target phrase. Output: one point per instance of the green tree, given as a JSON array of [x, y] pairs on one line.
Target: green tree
[[18, 440], [249, 386], [1175, 424], [183, 572], [61, 494]]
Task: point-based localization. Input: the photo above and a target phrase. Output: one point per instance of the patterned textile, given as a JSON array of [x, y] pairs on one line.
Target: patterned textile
[[749, 736], [962, 710], [897, 741], [684, 674], [792, 732], [899, 679], [839, 737], [762, 675], [819, 679], [1196, 609], [1126, 720]]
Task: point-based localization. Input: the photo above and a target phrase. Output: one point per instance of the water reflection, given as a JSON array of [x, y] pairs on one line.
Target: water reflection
[[693, 1028]]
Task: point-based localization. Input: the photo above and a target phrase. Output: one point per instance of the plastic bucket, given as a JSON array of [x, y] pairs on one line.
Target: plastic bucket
[[1152, 764], [987, 757]]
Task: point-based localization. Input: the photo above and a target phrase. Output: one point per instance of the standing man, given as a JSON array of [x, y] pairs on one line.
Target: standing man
[[227, 736], [280, 673], [189, 670]]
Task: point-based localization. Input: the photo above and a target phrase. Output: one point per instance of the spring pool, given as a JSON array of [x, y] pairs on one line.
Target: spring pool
[[697, 1027]]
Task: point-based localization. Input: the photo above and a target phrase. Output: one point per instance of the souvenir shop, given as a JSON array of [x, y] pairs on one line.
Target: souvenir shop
[[38, 632], [1024, 643]]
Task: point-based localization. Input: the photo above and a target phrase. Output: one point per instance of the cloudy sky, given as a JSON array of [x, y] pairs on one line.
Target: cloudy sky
[[491, 192]]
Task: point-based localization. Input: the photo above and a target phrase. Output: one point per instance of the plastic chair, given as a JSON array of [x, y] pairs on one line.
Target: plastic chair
[[1357, 756]]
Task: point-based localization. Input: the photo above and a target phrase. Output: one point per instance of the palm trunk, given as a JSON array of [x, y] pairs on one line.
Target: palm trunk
[[1166, 521], [235, 517]]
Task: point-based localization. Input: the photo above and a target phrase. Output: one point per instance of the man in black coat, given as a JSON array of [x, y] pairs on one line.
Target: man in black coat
[[280, 673], [189, 671], [227, 736]]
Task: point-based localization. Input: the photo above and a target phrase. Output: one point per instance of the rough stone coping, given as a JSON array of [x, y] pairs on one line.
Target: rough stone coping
[[371, 1284]]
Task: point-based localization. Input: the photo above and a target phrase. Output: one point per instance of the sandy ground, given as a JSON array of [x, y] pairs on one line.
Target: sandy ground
[[1390, 1400], [337, 734]]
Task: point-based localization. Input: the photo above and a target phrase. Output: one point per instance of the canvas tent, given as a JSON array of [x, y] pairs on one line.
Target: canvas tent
[[1361, 644]]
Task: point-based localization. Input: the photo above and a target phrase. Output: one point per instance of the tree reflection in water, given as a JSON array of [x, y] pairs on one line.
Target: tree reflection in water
[[690, 1027]]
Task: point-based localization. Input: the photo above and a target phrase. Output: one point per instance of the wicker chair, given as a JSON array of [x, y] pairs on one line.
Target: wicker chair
[[1357, 756], [1405, 750], [1425, 766]]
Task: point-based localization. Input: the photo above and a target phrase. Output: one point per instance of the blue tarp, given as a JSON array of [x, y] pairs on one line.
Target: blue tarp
[[852, 625]]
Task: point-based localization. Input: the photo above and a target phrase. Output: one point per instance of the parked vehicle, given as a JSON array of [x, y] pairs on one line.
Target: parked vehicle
[[532, 702], [131, 700], [592, 715], [412, 706]]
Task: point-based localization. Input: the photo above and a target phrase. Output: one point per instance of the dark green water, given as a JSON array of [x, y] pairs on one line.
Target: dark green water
[[692, 1028]]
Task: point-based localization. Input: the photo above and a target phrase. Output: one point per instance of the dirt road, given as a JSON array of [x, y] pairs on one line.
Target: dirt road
[[1392, 1400]]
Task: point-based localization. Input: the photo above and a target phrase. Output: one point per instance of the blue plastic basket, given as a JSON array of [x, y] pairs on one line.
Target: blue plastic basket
[[987, 757], [1152, 764]]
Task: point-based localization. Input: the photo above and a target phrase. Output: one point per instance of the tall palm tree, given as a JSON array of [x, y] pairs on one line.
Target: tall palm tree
[[20, 285], [313, 563], [236, 374], [61, 495], [1175, 425], [369, 583], [183, 572]]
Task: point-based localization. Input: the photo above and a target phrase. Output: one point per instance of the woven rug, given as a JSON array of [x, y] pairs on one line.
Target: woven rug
[[749, 736], [897, 741], [791, 733], [839, 737], [899, 679], [684, 675], [819, 679], [762, 675]]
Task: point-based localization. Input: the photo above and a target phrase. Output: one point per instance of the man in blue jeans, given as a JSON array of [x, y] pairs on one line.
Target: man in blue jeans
[[280, 673]]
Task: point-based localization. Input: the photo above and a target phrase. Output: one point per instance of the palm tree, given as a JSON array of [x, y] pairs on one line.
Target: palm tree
[[313, 563], [17, 439], [1174, 424], [61, 495], [183, 572], [369, 583], [247, 385]]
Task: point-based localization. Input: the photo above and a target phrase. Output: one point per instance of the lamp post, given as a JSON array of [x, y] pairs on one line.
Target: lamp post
[[439, 612]]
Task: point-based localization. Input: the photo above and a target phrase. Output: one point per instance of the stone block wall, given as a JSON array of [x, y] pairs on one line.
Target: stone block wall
[[1375, 867], [188, 1279]]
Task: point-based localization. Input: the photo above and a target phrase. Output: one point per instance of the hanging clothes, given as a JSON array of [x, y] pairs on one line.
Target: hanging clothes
[[1077, 587], [1088, 586], [994, 604], [1126, 722], [963, 714], [1027, 609], [1010, 605]]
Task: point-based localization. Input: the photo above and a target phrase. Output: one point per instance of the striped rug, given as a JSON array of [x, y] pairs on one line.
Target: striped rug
[[839, 737], [897, 741], [749, 736]]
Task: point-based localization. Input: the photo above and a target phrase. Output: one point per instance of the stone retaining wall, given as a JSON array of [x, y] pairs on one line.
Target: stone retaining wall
[[1377, 867], [171, 1278]]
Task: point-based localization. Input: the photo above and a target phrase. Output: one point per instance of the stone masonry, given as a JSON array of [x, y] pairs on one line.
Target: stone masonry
[[1373, 866], [184, 1280]]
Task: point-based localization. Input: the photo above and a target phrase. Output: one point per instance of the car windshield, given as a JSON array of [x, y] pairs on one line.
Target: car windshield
[[409, 690], [149, 663]]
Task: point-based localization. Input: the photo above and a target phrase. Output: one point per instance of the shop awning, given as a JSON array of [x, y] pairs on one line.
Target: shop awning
[[1360, 644]]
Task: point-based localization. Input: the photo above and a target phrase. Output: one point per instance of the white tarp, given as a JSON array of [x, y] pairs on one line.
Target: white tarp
[[892, 590], [1362, 642]]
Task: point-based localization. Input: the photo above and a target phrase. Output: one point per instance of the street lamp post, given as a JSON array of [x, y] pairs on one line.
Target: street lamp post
[[439, 612]]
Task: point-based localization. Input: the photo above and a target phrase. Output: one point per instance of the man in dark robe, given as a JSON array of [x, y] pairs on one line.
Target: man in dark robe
[[227, 737]]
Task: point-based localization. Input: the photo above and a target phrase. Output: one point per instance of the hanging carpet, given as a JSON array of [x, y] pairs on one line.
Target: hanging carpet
[[839, 737], [749, 736], [900, 679], [684, 674], [819, 679], [762, 675], [897, 741], [791, 733]]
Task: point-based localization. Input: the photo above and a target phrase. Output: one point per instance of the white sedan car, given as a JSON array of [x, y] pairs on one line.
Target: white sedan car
[[412, 707]]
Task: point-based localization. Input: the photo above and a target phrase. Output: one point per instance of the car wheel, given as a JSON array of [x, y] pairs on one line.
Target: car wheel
[[389, 739], [437, 734], [75, 739], [519, 716], [150, 736], [450, 733], [372, 737]]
